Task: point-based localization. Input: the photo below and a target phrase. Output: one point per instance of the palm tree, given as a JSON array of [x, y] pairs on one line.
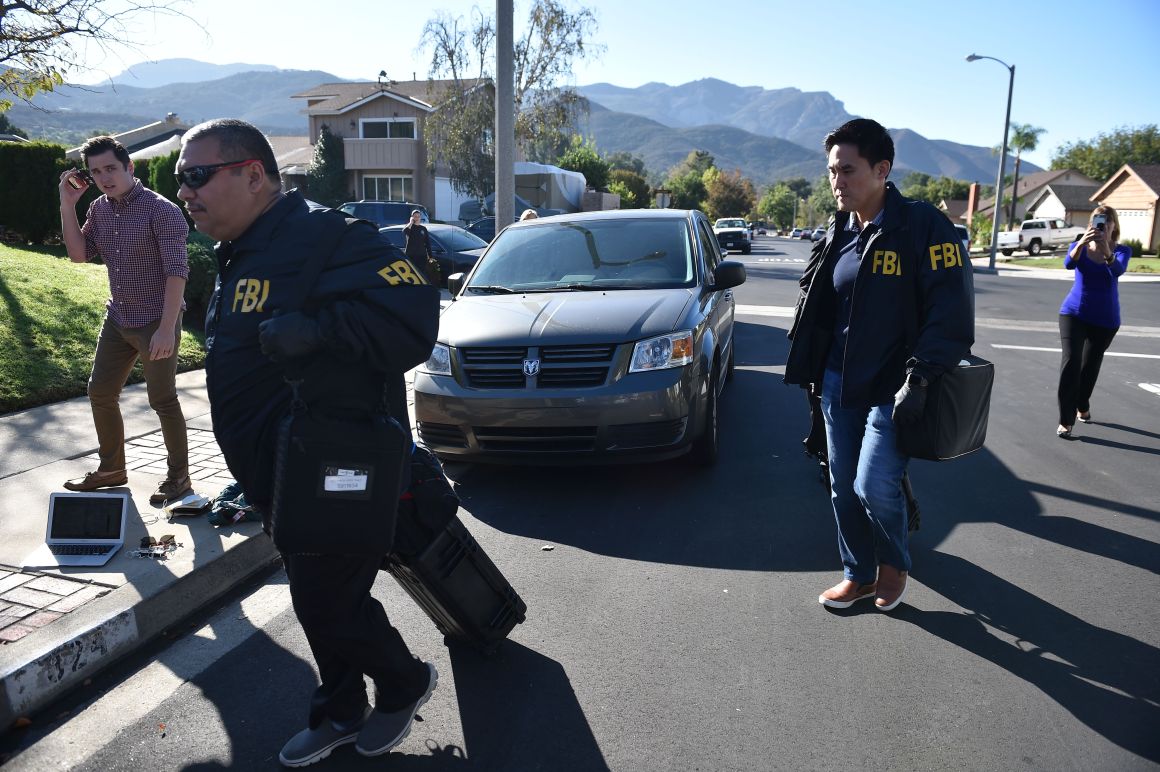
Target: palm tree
[[1024, 136]]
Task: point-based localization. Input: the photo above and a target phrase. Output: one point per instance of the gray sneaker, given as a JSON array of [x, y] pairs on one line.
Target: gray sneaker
[[311, 745], [383, 731]]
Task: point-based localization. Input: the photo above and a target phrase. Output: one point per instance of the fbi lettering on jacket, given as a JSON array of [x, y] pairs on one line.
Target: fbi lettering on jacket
[[250, 295]]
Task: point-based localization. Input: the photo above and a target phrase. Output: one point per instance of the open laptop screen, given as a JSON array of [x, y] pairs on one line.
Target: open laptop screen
[[86, 517]]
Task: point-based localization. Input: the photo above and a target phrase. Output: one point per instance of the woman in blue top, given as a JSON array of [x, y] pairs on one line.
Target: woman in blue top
[[1090, 314]]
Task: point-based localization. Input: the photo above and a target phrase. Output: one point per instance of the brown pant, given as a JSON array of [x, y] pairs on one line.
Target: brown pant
[[118, 349]]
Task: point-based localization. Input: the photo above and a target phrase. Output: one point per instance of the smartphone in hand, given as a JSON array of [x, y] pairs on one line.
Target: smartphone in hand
[[80, 180], [1100, 222]]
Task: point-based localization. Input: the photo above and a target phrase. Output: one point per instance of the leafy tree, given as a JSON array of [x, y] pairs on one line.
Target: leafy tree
[[980, 229], [457, 133], [688, 191], [6, 127], [161, 179], [1101, 157], [821, 204], [923, 187], [697, 161], [729, 194], [632, 187], [41, 41], [1024, 136], [800, 186], [326, 177], [582, 157], [777, 205], [625, 161]]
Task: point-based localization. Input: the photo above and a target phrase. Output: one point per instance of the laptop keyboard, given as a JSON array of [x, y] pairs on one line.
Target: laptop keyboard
[[81, 549]]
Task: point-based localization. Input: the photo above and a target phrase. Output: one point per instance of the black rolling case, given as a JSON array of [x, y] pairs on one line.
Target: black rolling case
[[455, 582]]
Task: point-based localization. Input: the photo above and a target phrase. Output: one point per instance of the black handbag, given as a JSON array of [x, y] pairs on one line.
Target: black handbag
[[337, 474], [954, 421]]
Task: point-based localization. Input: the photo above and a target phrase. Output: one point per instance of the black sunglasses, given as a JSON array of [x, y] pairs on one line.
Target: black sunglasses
[[196, 176]]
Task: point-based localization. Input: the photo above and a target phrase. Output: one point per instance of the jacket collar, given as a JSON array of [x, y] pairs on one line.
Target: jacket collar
[[261, 231]]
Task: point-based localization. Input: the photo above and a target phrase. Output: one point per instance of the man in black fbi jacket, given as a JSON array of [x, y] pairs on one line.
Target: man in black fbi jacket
[[373, 316], [886, 304]]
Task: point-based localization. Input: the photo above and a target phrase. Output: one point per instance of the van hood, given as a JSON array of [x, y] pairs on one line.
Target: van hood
[[554, 318]]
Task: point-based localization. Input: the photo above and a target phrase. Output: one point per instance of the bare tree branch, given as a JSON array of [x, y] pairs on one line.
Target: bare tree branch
[[39, 39]]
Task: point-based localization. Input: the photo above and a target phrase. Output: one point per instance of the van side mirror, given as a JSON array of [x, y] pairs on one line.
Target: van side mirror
[[728, 273]]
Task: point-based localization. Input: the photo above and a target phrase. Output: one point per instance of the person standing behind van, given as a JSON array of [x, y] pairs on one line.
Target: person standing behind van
[[1090, 314]]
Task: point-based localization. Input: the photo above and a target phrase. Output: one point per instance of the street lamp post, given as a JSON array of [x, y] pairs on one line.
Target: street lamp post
[[1002, 157]]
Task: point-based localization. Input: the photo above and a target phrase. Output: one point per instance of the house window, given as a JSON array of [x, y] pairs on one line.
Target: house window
[[387, 128], [388, 188]]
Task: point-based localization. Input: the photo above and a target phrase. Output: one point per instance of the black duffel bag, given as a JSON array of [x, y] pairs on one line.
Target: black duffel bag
[[337, 483], [954, 421]]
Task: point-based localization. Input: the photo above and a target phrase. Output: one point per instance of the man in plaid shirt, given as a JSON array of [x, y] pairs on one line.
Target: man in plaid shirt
[[140, 236]]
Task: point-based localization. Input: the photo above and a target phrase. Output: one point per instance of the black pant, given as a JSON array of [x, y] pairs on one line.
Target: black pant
[[1083, 352], [349, 635]]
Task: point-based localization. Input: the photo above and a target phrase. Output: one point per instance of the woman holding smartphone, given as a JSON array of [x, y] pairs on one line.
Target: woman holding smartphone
[[1090, 314]]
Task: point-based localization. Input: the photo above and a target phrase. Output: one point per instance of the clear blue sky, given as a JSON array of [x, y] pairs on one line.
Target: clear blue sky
[[1082, 68]]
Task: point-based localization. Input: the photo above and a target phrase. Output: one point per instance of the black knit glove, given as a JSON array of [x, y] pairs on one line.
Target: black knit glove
[[910, 400], [289, 336]]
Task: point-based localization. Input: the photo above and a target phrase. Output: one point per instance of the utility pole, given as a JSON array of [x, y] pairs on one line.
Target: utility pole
[[505, 118]]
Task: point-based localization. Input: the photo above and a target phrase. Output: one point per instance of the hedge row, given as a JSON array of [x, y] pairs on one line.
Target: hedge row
[[29, 202]]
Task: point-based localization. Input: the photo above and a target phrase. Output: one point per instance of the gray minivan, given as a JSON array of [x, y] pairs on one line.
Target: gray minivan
[[584, 338]]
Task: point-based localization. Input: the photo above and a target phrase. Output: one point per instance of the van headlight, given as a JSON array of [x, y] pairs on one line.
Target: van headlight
[[439, 363], [663, 351]]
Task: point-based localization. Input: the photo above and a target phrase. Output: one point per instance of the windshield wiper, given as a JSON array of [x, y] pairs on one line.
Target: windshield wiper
[[575, 286], [492, 289]]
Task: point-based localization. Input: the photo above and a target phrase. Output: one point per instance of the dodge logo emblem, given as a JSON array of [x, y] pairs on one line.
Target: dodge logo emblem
[[531, 367]]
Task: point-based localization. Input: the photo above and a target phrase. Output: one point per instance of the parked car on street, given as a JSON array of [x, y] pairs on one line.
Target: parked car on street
[[583, 338], [965, 236], [384, 213], [454, 248], [818, 233], [805, 234], [796, 233], [733, 233], [484, 227], [1038, 234]]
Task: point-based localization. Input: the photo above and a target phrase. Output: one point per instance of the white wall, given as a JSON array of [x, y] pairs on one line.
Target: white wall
[[447, 201]]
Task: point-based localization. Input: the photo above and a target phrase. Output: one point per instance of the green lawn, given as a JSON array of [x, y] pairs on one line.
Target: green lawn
[[50, 313], [1135, 265]]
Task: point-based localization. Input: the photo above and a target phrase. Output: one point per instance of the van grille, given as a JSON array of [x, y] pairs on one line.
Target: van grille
[[560, 367]]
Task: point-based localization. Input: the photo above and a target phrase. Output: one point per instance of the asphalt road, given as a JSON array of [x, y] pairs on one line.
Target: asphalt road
[[674, 622]]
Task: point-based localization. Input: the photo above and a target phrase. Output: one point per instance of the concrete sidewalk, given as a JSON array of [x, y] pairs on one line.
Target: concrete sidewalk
[[58, 627]]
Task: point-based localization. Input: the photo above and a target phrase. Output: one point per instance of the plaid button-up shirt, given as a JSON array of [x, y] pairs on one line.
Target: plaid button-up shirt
[[141, 239]]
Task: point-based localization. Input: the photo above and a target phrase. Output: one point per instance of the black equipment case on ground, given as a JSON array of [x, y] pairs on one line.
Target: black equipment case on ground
[[460, 588]]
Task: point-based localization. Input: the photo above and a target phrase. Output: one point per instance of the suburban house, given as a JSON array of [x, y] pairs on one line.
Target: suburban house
[[159, 138], [1070, 203], [1030, 186], [1133, 191], [954, 208], [144, 137], [381, 125]]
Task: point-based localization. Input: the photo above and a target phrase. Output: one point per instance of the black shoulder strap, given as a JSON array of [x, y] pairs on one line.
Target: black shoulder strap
[[334, 226]]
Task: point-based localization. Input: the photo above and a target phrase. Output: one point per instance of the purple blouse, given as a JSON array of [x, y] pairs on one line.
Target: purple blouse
[[1095, 297]]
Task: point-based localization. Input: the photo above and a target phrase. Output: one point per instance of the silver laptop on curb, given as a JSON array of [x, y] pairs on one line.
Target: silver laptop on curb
[[84, 529]]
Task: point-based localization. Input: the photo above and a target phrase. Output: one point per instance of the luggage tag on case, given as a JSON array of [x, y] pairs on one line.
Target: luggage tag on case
[[345, 479]]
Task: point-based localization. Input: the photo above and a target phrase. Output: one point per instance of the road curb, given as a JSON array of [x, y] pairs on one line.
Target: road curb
[[63, 655]]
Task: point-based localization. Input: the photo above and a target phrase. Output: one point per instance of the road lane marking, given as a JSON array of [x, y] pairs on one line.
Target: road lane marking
[[1152, 387], [1056, 350], [1131, 331], [765, 310], [70, 744]]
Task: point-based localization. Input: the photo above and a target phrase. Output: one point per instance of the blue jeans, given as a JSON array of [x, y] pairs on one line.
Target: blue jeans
[[865, 485]]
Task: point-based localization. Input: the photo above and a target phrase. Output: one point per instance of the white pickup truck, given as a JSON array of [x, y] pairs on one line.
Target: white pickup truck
[[1038, 234]]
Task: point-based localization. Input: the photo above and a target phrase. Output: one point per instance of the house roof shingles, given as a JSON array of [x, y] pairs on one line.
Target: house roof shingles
[[1075, 197], [336, 97], [1150, 175]]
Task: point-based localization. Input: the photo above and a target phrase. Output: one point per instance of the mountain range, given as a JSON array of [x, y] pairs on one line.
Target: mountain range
[[769, 134]]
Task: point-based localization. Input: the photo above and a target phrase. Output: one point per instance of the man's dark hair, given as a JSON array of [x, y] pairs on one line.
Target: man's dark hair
[[870, 137], [98, 145], [237, 141]]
